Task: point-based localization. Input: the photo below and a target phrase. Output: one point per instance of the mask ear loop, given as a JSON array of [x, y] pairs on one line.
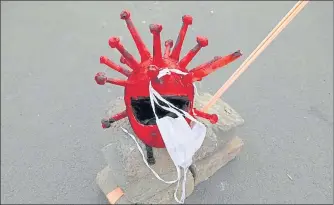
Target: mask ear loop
[[161, 74], [154, 95], [153, 98], [144, 159], [157, 95]]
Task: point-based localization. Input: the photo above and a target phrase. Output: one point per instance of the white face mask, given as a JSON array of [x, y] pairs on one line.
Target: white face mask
[[181, 140]]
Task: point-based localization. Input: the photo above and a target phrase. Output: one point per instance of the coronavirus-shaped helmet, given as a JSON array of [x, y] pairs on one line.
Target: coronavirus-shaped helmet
[[175, 88]]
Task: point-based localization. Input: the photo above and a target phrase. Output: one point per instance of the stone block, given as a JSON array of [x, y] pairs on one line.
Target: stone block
[[150, 190], [124, 158], [127, 169], [146, 190], [205, 168], [166, 196], [122, 147], [228, 117], [107, 184]]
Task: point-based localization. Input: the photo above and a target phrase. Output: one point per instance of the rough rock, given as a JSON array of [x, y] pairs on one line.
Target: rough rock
[[167, 196], [124, 158], [228, 117], [205, 168], [107, 184], [127, 168], [213, 141], [145, 190], [150, 190]]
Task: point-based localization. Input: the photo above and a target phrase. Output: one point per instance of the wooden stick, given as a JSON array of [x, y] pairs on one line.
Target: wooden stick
[[270, 35], [260, 48]]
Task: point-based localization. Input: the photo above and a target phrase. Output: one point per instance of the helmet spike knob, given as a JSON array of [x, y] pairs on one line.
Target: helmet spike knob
[[168, 47], [111, 64], [114, 42], [176, 84], [157, 56], [187, 20], [102, 79], [142, 49], [201, 42]]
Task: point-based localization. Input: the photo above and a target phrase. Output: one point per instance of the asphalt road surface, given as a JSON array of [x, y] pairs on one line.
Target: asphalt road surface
[[51, 107]]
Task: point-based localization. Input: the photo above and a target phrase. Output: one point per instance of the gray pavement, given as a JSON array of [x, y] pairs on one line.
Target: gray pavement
[[51, 108]]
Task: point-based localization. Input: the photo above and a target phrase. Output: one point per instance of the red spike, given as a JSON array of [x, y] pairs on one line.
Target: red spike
[[106, 123], [201, 42], [114, 42], [108, 62], [168, 46], [207, 68], [116, 81], [204, 65], [123, 61], [143, 51], [187, 20], [213, 118], [119, 116], [226, 60], [157, 56], [102, 79]]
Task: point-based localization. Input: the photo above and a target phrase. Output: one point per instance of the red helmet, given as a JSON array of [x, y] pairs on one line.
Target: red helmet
[[175, 88]]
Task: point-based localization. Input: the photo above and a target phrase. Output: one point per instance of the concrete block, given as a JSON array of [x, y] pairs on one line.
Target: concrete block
[[126, 165], [213, 141], [124, 158], [150, 190], [107, 184], [129, 171], [218, 134], [145, 190], [228, 117], [166, 196], [205, 168]]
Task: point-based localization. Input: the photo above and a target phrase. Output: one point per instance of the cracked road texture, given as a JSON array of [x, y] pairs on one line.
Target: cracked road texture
[[51, 106]]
